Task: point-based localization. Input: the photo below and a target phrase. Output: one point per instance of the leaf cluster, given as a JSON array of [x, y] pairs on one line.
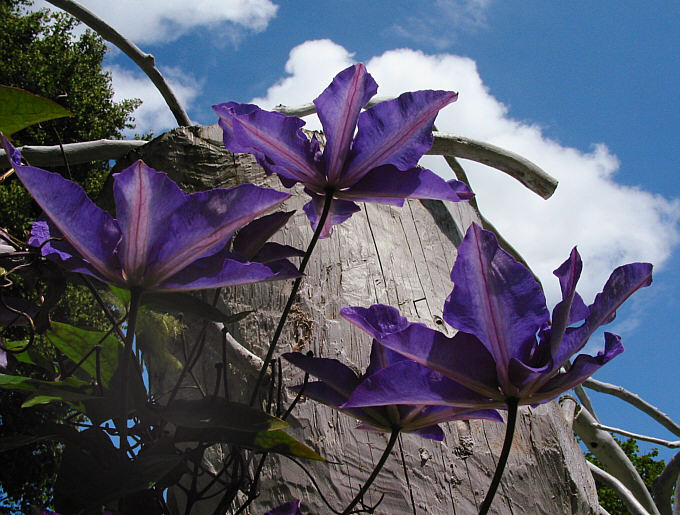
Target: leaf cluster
[[41, 53], [645, 463]]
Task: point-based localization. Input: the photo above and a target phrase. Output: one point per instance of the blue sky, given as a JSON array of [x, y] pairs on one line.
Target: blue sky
[[587, 90]]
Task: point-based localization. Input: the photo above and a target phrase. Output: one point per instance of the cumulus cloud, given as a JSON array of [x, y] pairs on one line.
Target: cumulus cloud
[[154, 114], [611, 223], [161, 21]]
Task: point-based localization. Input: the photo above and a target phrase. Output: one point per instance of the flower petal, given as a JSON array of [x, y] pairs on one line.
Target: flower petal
[[495, 298], [623, 282], [222, 269], [202, 225], [387, 184], [571, 308], [251, 238], [377, 320], [430, 433], [338, 108], [462, 358], [438, 414], [273, 138], [407, 382], [583, 367], [55, 247], [340, 211], [381, 357], [338, 376], [145, 201], [226, 113], [91, 230], [396, 132], [568, 274], [289, 508], [271, 251]]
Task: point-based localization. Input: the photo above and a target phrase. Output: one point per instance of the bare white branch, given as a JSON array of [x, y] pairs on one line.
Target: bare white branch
[[516, 166], [585, 400], [145, 61], [624, 494], [76, 153], [665, 443], [610, 454], [240, 357], [602, 511], [663, 487], [635, 400]]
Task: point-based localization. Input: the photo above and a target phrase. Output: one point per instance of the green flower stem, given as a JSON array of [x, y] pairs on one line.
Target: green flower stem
[[394, 437], [293, 293], [135, 296], [513, 405]]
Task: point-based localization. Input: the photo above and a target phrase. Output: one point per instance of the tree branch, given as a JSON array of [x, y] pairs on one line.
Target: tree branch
[[624, 494], [514, 165], [665, 443], [240, 357], [663, 487], [603, 445], [145, 61], [76, 153], [636, 401], [585, 400]]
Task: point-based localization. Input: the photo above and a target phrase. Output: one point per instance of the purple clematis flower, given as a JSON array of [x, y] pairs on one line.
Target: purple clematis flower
[[378, 165], [162, 239], [506, 347], [288, 508], [338, 381]]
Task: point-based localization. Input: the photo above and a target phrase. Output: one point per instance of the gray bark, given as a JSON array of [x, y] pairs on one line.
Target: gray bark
[[401, 257]]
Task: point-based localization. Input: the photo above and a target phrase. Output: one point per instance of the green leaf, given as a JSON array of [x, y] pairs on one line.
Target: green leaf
[[122, 294], [178, 302], [278, 441], [20, 109], [71, 390], [215, 413], [21, 357], [76, 343]]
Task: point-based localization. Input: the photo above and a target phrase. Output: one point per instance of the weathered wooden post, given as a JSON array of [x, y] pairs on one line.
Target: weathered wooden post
[[401, 257]]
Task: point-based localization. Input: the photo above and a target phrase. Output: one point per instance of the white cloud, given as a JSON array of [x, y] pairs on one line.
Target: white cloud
[[154, 114], [439, 21], [611, 223], [162, 21]]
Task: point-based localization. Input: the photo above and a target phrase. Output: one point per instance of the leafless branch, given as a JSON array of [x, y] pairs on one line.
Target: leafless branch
[[77, 153], [514, 165], [663, 487], [145, 61], [585, 400], [610, 454], [240, 357], [665, 443], [624, 494], [636, 401]]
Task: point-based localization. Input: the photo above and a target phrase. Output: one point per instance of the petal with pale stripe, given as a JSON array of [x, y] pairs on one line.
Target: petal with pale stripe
[[338, 108]]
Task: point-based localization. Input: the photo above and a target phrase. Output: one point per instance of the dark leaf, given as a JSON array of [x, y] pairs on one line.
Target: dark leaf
[[178, 302], [211, 413]]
